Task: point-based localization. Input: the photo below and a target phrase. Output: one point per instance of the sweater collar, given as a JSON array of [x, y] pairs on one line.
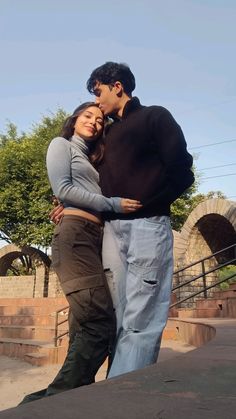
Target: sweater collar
[[80, 143], [129, 107]]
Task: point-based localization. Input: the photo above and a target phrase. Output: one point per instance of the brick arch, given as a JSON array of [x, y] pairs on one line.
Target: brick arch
[[211, 226], [11, 252]]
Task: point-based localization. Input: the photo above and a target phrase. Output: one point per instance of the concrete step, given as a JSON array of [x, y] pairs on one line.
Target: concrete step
[[170, 333], [200, 313], [225, 293], [36, 359], [173, 312], [28, 310], [231, 309], [20, 348], [24, 320], [29, 332], [60, 301], [27, 329], [47, 356], [226, 305], [211, 303]]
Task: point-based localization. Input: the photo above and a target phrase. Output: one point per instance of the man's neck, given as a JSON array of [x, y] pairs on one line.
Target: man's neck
[[123, 100]]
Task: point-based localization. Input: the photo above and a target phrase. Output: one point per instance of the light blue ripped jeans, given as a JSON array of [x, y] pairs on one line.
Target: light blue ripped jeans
[[138, 257]]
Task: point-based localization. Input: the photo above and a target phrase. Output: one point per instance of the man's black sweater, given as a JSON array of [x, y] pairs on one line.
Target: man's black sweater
[[146, 159]]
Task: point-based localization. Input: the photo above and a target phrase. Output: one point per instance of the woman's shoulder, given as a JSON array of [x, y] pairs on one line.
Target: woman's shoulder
[[61, 139], [58, 146], [60, 142]]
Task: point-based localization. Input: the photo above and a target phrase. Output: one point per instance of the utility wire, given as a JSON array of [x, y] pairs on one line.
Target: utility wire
[[212, 144], [212, 177], [216, 167]]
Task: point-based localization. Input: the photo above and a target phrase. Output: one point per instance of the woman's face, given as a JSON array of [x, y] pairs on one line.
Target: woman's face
[[89, 124]]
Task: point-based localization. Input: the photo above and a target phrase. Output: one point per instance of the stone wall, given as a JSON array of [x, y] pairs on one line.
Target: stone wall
[[30, 286], [17, 286]]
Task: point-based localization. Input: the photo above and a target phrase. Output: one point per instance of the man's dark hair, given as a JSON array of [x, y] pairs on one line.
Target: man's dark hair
[[111, 72]]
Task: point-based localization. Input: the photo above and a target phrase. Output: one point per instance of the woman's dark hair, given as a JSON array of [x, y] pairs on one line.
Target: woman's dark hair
[[111, 72], [69, 124], [96, 147]]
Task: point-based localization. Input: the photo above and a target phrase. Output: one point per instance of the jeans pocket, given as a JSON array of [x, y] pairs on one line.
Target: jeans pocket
[[143, 289], [157, 219]]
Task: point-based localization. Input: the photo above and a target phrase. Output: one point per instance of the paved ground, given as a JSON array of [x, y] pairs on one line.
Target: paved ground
[[18, 378], [199, 384]]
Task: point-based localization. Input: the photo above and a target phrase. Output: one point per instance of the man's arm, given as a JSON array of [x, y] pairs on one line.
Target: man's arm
[[57, 212], [169, 141]]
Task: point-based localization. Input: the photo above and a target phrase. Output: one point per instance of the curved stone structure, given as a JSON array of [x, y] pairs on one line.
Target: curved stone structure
[[35, 281], [210, 227], [11, 252]]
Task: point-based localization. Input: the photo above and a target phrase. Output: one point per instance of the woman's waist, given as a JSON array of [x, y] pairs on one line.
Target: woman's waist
[[96, 218]]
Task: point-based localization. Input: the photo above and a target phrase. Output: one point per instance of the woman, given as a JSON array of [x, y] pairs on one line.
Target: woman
[[76, 247]]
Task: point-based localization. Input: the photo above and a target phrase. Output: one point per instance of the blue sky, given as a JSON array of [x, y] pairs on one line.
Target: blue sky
[[182, 53]]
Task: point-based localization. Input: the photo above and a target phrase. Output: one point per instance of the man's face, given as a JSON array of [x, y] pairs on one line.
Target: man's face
[[106, 97]]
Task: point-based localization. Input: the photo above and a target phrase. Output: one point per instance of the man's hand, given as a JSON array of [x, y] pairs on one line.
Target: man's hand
[[130, 205], [56, 214]]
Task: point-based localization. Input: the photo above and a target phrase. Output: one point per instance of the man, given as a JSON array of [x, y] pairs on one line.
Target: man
[[145, 159]]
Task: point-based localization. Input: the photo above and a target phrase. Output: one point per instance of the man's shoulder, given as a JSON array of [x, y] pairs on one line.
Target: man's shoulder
[[157, 112], [156, 108]]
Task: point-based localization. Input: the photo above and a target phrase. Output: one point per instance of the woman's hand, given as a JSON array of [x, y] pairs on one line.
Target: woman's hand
[[130, 205]]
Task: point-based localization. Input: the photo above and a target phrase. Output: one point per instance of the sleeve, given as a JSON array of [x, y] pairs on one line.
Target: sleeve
[[58, 162], [171, 146]]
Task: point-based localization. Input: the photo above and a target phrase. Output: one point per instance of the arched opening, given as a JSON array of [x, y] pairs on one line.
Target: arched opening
[[217, 233], [29, 265]]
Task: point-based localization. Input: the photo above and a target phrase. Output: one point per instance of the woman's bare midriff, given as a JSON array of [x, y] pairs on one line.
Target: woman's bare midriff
[[83, 214]]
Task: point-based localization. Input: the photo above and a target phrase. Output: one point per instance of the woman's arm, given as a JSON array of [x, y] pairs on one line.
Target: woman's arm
[[59, 173]]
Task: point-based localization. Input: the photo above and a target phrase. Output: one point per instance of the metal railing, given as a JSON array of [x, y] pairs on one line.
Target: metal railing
[[57, 334], [204, 273]]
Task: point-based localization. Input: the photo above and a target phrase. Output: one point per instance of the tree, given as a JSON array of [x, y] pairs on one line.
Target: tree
[[25, 191], [24, 188]]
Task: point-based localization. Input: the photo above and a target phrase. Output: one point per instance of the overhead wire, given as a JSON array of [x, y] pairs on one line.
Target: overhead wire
[[211, 144], [216, 167], [212, 177]]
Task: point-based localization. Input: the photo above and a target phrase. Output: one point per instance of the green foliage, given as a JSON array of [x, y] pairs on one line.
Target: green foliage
[[24, 188], [10, 135], [25, 192], [224, 273], [23, 265]]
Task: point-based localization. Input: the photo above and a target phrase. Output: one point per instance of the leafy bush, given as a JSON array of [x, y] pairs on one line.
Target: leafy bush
[[224, 273]]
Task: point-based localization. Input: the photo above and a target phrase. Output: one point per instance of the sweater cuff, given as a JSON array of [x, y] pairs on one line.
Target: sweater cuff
[[116, 204]]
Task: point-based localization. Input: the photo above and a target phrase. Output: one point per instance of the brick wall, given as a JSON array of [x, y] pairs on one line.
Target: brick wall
[[30, 286]]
